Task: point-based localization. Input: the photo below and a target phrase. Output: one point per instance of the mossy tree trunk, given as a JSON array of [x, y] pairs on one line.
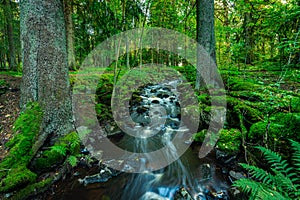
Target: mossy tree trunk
[[205, 34], [45, 66]]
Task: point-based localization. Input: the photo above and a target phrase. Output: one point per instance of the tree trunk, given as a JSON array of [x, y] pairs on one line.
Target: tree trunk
[[70, 34], [249, 40], [205, 34], [10, 33], [45, 67]]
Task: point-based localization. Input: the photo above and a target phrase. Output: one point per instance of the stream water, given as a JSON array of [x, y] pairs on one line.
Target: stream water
[[187, 178]]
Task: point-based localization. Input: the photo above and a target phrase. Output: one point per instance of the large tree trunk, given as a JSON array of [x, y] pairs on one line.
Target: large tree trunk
[[10, 33], [205, 34], [70, 34], [45, 67]]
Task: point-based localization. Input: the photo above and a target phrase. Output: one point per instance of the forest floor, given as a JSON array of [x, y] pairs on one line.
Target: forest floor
[[9, 101], [9, 110]]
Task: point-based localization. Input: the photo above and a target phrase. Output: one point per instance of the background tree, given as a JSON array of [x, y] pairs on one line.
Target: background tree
[[10, 34], [68, 10], [205, 34]]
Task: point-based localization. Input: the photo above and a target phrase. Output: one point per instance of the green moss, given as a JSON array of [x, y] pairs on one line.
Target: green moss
[[229, 140], [200, 136], [252, 96], [236, 84], [204, 99], [17, 177], [280, 127], [31, 189], [13, 168]]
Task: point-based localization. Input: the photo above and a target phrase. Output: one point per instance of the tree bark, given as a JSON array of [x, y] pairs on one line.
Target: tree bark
[[45, 67], [205, 34], [10, 34], [70, 34]]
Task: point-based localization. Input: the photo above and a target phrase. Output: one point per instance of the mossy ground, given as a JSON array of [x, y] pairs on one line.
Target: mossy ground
[[20, 169]]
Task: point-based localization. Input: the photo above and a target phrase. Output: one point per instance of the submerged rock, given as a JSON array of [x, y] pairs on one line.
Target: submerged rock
[[104, 175]]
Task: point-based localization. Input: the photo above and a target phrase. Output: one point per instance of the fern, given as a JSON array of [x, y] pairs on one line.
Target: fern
[[275, 160], [296, 155], [59, 149], [281, 182], [72, 160]]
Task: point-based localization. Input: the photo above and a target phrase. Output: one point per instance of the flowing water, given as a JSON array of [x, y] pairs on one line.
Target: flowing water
[[187, 177]]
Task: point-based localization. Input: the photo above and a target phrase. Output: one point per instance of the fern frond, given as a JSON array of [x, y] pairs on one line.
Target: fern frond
[[248, 186], [59, 149], [259, 173], [275, 160], [267, 194], [283, 184], [296, 154], [258, 190]]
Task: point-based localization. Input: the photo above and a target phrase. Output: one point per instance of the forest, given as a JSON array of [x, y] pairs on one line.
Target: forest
[[149, 99]]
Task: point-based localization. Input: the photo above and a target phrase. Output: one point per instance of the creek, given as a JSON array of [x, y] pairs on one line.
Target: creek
[[188, 177]]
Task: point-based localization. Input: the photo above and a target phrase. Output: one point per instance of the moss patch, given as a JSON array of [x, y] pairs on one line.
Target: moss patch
[[229, 140], [13, 169], [31, 189]]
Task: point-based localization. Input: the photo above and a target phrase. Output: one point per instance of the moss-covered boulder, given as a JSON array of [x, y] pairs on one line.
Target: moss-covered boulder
[[279, 127], [229, 140]]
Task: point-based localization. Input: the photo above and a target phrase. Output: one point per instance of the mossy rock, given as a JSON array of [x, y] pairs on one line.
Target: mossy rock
[[31, 189], [16, 178], [229, 140], [281, 126], [200, 136], [236, 107]]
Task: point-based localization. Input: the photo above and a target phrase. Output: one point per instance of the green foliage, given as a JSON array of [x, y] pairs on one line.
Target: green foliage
[[72, 160], [67, 145], [13, 168], [282, 181]]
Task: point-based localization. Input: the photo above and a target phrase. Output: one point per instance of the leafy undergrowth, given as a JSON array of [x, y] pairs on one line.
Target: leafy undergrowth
[[280, 181]]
